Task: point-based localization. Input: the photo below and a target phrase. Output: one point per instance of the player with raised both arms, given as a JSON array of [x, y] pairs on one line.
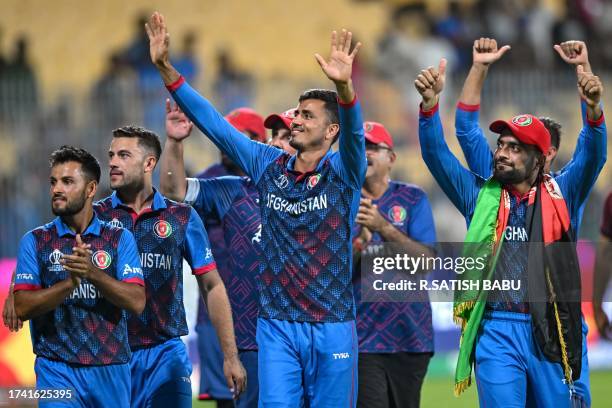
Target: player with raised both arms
[[306, 327]]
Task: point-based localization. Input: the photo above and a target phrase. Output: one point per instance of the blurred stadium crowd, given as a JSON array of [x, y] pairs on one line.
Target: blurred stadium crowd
[[39, 112]]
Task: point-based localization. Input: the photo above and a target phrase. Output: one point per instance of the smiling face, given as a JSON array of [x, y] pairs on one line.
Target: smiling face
[[129, 162], [311, 128], [70, 188], [515, 162]]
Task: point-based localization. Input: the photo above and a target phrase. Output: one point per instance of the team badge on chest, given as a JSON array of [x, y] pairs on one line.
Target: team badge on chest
[[162, 228], [101, 259]]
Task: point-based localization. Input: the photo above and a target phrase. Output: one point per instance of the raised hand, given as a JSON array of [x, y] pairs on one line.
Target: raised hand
[[485, 51], [430, 83], [339, 66], [178, 126], [589, 86], [159, 39], [574, 53]]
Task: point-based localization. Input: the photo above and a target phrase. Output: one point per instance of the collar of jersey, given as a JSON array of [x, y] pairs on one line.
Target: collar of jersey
[[93, 228], [291, 163], [157, 204]]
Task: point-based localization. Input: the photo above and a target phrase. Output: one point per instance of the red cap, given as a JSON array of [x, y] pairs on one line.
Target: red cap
[[526, 128], [246, 119], [377, 134], [284, 118]]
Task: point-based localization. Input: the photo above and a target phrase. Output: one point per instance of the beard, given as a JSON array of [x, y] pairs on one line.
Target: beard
[[514, 175], [71, 208]]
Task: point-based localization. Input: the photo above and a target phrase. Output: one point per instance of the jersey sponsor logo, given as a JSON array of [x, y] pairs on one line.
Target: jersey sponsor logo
[[209, 253], [85, 291], [101, 259], [397, 214], [257, 237], [116, 223], [313, 181], [341, 356], [54, 258], [516, 234], [522, 120], [281, 181], [297, 207], [156, 261], [162, 228], [24, 276], [129, 270]]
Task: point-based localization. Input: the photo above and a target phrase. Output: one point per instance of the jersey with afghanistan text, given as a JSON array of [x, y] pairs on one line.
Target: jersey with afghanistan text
[[165, 233], [307, 218], [85, 329]]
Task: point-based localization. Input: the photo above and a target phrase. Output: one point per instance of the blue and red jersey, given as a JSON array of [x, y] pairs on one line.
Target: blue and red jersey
[[165, 233], [85, 329], [462, 188], [392, 327], [307, 218], [479, 156], [234, 201]]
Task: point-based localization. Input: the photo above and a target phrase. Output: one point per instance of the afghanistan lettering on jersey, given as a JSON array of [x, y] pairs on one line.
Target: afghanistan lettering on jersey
[[391, 327], [85, 329], [165, 234], [306, 235]]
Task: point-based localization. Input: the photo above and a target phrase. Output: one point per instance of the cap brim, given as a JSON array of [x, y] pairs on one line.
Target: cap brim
[[275, 119], [498, 126]]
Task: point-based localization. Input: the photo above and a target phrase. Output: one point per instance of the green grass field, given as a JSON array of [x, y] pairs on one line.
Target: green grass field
[[438, 392]]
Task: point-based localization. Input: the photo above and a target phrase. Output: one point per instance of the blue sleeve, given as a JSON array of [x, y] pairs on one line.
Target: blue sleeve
[[213, 197], [579, 176], [350, 162], [459, 184], [128, 260], [27, 275], [421, 227], [252, 157], [472, 140], [580, 140], [197, 249]]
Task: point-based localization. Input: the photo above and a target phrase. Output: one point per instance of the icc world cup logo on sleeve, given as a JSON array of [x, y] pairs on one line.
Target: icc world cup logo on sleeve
[[162, 229], [101, 259]]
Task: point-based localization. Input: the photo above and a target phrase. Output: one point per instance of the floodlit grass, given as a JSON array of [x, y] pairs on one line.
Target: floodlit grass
[[438, 392]]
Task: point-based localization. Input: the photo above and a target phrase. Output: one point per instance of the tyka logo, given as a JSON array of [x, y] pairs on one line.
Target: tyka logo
[[116, 223], [341, 356]]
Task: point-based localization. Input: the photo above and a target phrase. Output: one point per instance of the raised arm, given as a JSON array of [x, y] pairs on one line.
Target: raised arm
[[471, 137], [579, 176], [338, 68], [172, 181], [252, 157], [460, 185]]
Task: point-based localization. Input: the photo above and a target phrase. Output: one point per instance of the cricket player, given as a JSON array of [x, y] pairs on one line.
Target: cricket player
[[395, 338], [77, 277], [525, 353], [306, 328], [165, 232]]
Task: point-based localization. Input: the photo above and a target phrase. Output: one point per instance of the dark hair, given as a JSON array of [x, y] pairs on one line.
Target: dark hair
[[89, 164], [146, 138], [554, 128], [330, 99]]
